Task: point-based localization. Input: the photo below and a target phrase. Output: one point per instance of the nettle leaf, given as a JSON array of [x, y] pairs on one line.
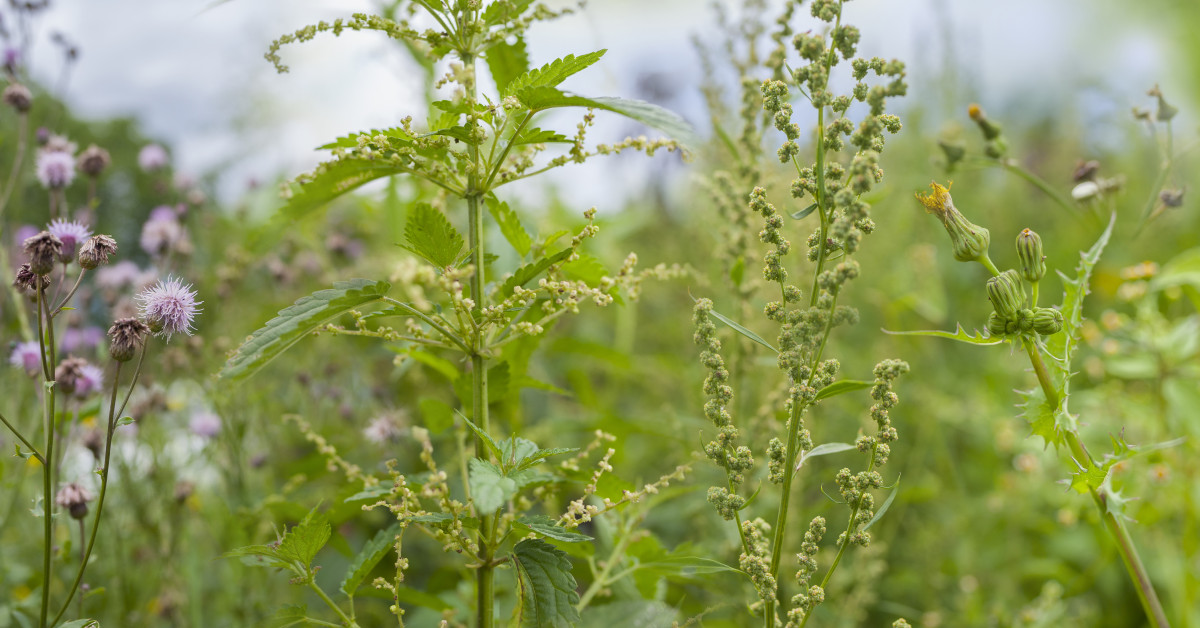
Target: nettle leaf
[[459, 133], [305, 539], [374, 492], [540, 456], [741, 330], [490, 488], [542, 98], [430, 235], [482, 435], [502, 11], [507, 61], [286, 616], [335, 179], [371, 554], [533, 135], [548, 596], [958, 334], [842, 386], [443, 520], [298, 320], [554, 72], [547, 527], [394, 136], [510, 226], [515, 450], [530, 271]]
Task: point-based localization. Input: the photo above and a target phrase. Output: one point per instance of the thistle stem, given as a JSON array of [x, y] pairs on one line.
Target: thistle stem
[[1115, 526]]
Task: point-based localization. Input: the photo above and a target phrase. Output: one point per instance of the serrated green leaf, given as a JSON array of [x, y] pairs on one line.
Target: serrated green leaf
[[959, 334], [395, 136], [541, 98], [741, 330], [286, 616], [305, 539], [548, 596], [371, 554], [841, 387], [539, 136], [514, 451], [507, 62], [585, 268], [335, 179], [510, 225], [547, 527], [430, 235], [298, 320], [540, 456], [887, 503], [526, 477], [503, 11], [530, 271], [554, 72], [373, 492], [490, 488], [482, 435]]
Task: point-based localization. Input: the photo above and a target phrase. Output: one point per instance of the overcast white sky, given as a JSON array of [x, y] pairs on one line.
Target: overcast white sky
[[194, 72]]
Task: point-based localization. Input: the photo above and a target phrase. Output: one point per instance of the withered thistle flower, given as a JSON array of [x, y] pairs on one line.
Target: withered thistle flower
[[68, 374], [93, 161], [970, 241], [28, 280], [18, 97], [43, 250], [74, 498], [125, 336], [96, 251]]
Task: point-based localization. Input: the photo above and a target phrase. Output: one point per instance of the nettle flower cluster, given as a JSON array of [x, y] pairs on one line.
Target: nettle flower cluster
[[806, 318]]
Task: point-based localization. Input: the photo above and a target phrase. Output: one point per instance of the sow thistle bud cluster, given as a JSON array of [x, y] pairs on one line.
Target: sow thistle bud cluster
[[1014, 311]]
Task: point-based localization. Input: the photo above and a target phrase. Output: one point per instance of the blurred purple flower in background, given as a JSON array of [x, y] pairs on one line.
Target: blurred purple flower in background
[[161, 231], [75, 340], [153, 157], [27, 355], [55, 169], [205, 424]]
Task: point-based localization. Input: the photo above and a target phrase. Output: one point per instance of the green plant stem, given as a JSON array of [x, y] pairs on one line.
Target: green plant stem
[[346, 620], [602, 579], [46, 327], [1115, 526], [1016, 168]]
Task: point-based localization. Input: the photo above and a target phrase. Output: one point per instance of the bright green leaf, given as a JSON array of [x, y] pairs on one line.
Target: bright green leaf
[[305, 539], [653, 116], [371, 554], [430, 235], [395, 136], [333, 180], [507, 61], [548, 596], [530, 271], [842, 386], [490, 488], [547, 527], [510, 225], [887, 503], [554, 72]]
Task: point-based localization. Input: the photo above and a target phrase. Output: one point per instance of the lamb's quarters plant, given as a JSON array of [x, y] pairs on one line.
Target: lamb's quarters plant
[[466, 314], [840, 218]]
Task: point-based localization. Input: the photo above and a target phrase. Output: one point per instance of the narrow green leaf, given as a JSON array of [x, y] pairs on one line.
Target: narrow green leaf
[[742, 330], [371, 554], [490, 488], [547, 527], [548, 596], [484, 436], [653, 116], [430, 235], [824, 449], [507, 62], [687, 566], [298, 320], [374, 492], [510, 225], [443, 520], [842, 386], [459, 133], [959, 334], [887, 503], [804, 212], [554, 72], [530, 271]]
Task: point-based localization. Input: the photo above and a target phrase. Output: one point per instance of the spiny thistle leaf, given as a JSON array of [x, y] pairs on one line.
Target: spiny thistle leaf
[[548, 594], [554, 72], [958, 334], [430, 235], [297, 321]]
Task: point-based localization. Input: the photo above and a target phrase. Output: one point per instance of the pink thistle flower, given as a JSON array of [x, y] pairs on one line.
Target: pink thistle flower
[[153, 157], [55, 169], [169, 307], [27, 355], [71, 233], [161, 233], [205, 424], [90, 380]]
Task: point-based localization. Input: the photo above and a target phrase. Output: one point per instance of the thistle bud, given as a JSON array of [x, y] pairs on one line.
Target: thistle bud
[[74, 498], [93, 161], [970, 241], [43, 250], [29, 280], [1047, 321], [125, 336], [1029, 251], [1006, 294], [996, 325], [96, 251], [18, 97]]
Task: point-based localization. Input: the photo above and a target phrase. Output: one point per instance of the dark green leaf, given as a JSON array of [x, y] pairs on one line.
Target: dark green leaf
[[804, 212], [510, 225], [548, 596], [443, 520], [490, 488], [546, 526], [334, 179], [507, 62], [297, 321], [306, 538], [371, 554], [374, 492], [482, 435], [554, 72], [530, 271], [842, 386], [429, 234]]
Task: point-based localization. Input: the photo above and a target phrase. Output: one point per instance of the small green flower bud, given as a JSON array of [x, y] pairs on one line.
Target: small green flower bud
[[1047, 321], [1166, 110], [1006, 294], [1029, 251], [970, 241], [996, 325], [990, 129]]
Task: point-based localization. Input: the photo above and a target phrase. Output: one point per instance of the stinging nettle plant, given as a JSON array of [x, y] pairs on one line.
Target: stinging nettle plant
[[467, 316], [836, 181]]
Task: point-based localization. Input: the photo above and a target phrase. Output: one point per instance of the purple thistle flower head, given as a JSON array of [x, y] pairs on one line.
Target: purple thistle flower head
[[28, 356], [168, 307], [89, 381], [71, 233], [152, 157], [55, 169], [205, 424], [160, 233], [12, 57]]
